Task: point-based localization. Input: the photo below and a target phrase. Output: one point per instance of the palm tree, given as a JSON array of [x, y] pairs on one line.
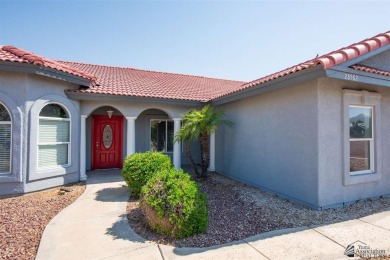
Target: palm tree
[[199, 124], [185, 135]]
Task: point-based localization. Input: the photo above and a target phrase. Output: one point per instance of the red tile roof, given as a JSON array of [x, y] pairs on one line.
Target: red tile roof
[[328, 60], [143, 83], [13, 54], [371, 70]]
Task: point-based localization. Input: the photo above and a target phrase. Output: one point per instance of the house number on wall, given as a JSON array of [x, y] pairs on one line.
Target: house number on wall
[[352, 77]]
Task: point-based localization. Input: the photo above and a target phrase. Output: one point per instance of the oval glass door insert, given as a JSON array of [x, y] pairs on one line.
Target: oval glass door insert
[[107, 136]]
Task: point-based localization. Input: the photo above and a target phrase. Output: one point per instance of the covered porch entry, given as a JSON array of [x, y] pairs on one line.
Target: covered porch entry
[[109, 133]]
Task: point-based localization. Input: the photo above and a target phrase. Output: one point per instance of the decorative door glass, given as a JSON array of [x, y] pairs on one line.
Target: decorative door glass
[[107, 136]]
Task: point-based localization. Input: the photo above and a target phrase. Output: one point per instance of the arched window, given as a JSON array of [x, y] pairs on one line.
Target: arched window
[[5, 140], [53, 137]]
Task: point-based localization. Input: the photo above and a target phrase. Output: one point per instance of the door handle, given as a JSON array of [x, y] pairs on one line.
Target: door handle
[[97, 145]]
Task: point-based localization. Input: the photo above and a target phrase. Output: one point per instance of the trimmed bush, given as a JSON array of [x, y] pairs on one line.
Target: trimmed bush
[[138, 168], [173, 205]]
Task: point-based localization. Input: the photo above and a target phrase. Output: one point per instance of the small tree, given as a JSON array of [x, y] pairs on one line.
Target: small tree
[[198, 125], [185, 135]]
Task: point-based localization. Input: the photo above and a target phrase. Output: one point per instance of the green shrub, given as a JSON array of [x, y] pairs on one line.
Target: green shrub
[[173, 205], [138, 168]]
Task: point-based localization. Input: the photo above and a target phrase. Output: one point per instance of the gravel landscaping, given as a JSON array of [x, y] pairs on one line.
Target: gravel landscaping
[[23, 219], [238, 211]]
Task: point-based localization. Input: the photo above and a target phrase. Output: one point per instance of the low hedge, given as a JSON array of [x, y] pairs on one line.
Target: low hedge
[[138, 168], [173, 205]]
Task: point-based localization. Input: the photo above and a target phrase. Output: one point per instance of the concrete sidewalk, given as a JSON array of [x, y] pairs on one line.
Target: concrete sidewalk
[[95, 227]]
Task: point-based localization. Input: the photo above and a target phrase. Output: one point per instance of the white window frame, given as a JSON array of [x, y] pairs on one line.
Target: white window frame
[[362, 98], [10, 151], [166, 134], [371, 140], [55, 143]]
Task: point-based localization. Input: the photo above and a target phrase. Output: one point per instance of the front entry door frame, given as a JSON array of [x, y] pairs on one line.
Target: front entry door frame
[[97, 143]]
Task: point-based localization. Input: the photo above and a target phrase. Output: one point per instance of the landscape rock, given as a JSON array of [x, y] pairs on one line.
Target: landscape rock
[[66, 189], [23, 219], [238, 211]]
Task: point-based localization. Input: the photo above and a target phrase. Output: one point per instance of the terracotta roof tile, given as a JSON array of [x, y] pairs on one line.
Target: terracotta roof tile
[[144, 83], [13, 54], [326, 61], [152, 84], [371, 70], [8, 56]]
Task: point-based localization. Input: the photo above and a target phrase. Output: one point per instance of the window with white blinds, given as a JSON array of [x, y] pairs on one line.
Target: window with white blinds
[[5, 140], [53, 137]]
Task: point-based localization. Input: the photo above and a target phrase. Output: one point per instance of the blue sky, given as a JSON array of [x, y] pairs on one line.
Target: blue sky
[[240, 40]]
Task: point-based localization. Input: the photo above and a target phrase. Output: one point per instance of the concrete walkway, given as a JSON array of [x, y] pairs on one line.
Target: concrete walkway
[[95, 227]]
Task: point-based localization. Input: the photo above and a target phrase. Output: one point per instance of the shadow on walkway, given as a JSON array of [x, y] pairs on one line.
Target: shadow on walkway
[[121, 230], [117, 194]]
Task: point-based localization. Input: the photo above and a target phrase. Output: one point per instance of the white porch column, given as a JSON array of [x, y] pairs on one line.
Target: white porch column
[[212, 153], [83, 145], [176, 146], [130, 135]]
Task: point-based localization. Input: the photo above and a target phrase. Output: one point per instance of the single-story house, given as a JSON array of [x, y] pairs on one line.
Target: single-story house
[[317, 132]]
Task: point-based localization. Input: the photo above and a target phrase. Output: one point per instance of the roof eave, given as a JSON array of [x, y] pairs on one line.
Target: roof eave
[[113, 98], [349, 74], [291, 79], [43, 71]]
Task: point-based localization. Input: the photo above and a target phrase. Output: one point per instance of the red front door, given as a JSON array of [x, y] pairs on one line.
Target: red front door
[[107, 143]]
